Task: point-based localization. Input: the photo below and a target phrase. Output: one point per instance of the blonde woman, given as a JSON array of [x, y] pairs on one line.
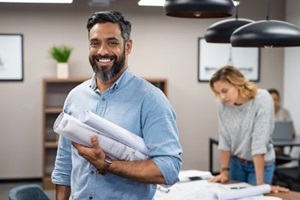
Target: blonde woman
[[246, 122]]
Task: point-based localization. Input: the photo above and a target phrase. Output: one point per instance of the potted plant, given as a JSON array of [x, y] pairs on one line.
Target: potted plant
[[61, 54]]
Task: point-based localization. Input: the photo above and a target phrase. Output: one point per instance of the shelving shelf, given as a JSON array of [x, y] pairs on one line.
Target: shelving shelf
[[54, 93]]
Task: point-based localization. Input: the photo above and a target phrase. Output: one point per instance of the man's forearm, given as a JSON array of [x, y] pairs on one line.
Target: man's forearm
[[62, 192], [142, 171]]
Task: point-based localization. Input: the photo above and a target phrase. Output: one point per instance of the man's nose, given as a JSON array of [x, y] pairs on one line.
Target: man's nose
[[103, 49]]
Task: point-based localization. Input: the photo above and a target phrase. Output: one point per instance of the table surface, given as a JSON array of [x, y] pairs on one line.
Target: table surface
[[294, 142], [201, 190], [282, 143], [291, 195]]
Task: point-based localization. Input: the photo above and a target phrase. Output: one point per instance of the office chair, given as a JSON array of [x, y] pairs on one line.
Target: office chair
[[28, 192]]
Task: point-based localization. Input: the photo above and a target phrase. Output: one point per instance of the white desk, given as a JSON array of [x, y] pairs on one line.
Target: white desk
[[199, 190]]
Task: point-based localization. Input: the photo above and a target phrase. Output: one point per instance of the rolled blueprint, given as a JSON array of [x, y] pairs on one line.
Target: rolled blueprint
[[76, 131], [111, 130], [243, 193]]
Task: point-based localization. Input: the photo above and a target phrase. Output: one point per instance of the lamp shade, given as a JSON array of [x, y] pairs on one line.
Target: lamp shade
[[221, 31], [198, 8], [266, 33]]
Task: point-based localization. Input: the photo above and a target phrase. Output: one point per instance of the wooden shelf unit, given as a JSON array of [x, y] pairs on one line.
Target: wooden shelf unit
[[161, 83], [54, 93]]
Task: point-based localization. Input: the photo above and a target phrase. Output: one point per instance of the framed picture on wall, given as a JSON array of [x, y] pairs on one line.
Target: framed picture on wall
[[11, 57], [212, 56]]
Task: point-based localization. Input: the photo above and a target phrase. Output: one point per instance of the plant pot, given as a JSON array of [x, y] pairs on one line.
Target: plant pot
[[62, 70]]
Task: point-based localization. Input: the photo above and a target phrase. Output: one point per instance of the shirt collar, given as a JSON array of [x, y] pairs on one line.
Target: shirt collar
[[121, 81]]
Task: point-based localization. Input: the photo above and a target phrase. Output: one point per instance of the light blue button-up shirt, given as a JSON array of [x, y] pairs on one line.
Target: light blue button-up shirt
[[137, 106]]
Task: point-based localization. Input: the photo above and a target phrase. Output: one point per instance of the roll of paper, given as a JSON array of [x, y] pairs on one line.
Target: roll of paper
[[111, 130], [76, 131], [243, 193]]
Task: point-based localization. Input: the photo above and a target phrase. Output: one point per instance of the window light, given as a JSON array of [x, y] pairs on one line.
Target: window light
[[151, 2], [36, 1]]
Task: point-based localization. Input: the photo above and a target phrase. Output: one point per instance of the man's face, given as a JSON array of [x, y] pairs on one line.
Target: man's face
[[107, 51]]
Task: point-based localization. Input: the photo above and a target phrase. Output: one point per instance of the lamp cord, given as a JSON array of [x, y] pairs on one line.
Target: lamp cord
[[230, 60], [268, 9], [236, 5], [236, 12]]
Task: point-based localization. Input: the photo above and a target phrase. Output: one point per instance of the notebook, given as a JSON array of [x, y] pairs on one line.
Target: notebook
[[283, 130]]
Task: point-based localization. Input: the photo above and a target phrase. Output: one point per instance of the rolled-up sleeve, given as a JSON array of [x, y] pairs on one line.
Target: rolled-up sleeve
[[263, 128], [161, 136], [224, 140], [61, 174]]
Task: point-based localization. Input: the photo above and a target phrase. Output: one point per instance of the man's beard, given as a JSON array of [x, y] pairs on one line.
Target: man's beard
[[105, 74]]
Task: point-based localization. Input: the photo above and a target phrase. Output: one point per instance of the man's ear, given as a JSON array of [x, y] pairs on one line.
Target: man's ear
[[128, 46]]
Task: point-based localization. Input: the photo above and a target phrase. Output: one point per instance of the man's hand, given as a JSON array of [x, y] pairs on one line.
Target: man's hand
[[145, 171], [94, 155]]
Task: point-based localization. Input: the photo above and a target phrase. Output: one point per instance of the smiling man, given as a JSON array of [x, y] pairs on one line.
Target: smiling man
[[119, 96]]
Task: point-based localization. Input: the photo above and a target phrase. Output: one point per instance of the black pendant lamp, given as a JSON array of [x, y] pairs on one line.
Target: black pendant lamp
[[266, 33], [221, 31], [198, 8]]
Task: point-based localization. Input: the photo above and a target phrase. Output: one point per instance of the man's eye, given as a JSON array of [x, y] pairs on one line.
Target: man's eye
[[113, 43], [94, 44]]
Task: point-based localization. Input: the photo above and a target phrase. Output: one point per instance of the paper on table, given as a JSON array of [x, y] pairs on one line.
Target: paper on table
[[193, 190], [111, 130], [204, 190], [80, 133], [233, 186], [188, 175], [267, 198], [226, 194]]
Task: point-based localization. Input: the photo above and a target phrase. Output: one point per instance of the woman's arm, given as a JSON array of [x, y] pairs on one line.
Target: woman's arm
[[225, 159], [224, 175], [259, 165]]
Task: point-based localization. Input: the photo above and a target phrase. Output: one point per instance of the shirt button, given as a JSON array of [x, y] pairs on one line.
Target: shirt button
[[103, 99], [92, 172], [90, 197]]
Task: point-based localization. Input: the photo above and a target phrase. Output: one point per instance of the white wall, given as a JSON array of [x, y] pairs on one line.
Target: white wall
[[292, 68], [162, 47]]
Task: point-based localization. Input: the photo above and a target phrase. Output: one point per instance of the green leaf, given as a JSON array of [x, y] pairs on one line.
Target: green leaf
[[61, 53]]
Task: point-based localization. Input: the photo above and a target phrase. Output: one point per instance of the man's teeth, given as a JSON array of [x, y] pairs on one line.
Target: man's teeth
[[104, 60]]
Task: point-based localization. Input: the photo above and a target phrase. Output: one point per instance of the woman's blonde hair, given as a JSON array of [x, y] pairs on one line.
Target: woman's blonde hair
[[233, 76]]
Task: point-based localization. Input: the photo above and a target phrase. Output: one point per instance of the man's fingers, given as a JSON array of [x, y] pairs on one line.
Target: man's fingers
[[94, 141], [75, 145]]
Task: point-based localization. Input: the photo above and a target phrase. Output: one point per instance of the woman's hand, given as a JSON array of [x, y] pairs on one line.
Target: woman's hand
[[222, 178], [276, 189]]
